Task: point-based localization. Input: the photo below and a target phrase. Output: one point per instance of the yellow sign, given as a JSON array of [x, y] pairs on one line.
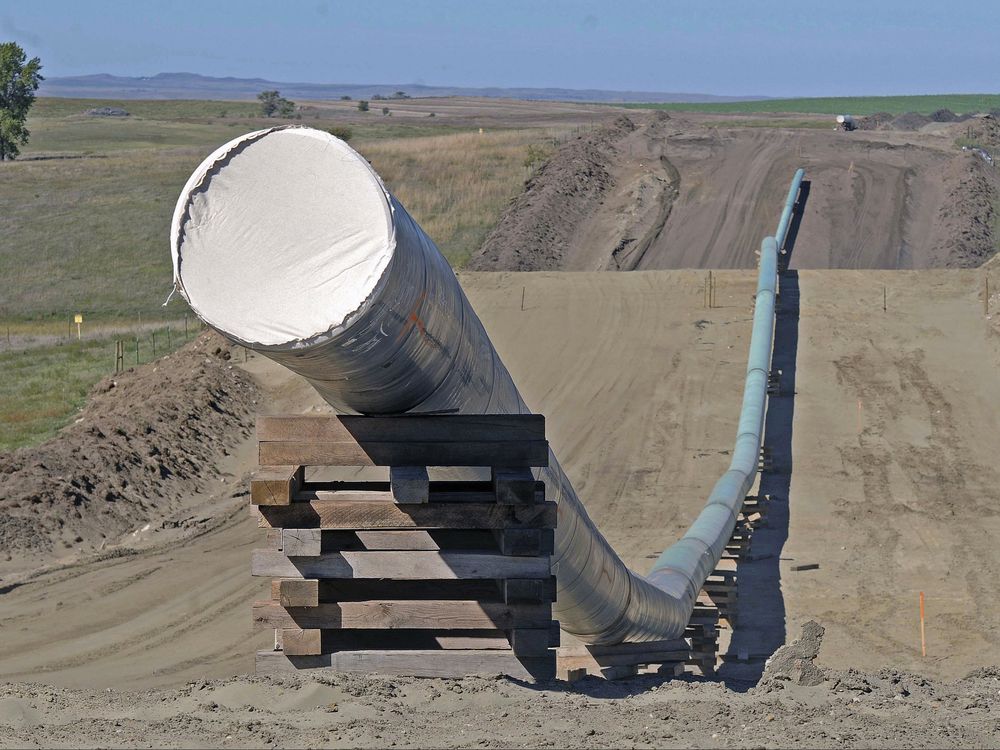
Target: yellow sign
[[78, 318]]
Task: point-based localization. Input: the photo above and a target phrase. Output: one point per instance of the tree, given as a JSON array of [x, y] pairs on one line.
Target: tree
[[18, 83], [363, 105], [272, 102]]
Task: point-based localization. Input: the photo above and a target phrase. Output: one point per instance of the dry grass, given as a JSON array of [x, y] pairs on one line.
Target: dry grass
[[455, 186], [85, 231]]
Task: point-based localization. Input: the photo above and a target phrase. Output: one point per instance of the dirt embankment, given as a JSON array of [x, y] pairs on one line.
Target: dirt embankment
[[969, 214], [596, 204], [146, 437], [652, 193]]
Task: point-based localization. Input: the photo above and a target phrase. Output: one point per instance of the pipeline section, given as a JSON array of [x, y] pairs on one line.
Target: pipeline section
[[688, 562], [255, 217]]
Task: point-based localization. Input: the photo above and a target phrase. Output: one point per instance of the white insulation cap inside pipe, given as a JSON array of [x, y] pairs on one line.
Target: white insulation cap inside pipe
[[291, 239]]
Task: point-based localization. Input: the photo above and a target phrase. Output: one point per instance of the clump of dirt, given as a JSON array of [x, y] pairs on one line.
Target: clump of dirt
[[795, 661], [910, 121], [532, 232], [145, 437], [968, 214], [946, 115], [877, 121]]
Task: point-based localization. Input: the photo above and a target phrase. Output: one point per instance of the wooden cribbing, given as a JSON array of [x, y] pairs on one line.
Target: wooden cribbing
[[275, 485], [447, 440], [416, 615], [329, 513], [400, 566], [410, 576]]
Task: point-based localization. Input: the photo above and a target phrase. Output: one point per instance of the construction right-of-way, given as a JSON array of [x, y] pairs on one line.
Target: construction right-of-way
[[287, 242]]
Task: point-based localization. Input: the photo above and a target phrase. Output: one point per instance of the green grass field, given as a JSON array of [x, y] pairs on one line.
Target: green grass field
[[85, 213], [854, 105], [42, 387]]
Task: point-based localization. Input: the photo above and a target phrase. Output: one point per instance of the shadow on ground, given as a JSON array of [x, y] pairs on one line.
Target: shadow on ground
[[760, 629]]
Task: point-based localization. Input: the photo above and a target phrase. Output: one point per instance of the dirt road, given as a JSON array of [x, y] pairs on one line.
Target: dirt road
[[694, 192]]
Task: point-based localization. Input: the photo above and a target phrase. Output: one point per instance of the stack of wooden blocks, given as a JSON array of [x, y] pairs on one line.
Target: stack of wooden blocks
[[410, 576]]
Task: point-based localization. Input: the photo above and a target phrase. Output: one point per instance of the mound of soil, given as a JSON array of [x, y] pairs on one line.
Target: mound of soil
[[968, 214], [533, 231], [877, 121], [145, 437], [910, 121], [946, 115]]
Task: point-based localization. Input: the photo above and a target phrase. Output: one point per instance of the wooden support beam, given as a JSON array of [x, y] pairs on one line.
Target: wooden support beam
[[298, 642], [519, 590], [416, 663], [396, 453], [275, 485], [534, 641], [409, 484], [301, 542], [328, 513], [418, 428], [398, 565], [514, 486], [404, 613], [295, 592], [525, 541]]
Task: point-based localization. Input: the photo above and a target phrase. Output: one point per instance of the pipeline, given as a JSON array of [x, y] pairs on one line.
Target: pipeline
[[286, 242], [695, 555]]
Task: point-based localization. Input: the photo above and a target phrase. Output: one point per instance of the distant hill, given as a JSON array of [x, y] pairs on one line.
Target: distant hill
[[194, 86]]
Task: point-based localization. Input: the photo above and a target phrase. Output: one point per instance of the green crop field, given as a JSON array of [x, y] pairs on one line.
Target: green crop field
[[854, 105]]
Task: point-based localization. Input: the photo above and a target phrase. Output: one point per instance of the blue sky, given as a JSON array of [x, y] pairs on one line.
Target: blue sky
[[775, 48]]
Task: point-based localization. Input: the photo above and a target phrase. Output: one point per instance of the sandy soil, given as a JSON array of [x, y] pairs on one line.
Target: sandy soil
[[885, 474], [695, 192]]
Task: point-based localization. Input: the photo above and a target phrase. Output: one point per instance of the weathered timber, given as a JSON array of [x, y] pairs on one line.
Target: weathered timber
[[447, 428], [394, 453], [519, 590], [409, 484], [534, 641], [512, 485], [275, 485], [301, 542], [455, 663], [336, 514], [404, 613], [298, 642], [294, 592], [525, 541], [397, 565], [423, 640]]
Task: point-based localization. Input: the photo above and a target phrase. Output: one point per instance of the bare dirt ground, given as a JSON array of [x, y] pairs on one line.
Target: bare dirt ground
[[696, 192], [885, 475]]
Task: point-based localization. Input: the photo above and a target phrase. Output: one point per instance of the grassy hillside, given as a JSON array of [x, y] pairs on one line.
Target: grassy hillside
[[855, 105]]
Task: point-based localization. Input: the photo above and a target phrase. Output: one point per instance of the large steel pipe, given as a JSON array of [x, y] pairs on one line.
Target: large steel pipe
[[286, 241]]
